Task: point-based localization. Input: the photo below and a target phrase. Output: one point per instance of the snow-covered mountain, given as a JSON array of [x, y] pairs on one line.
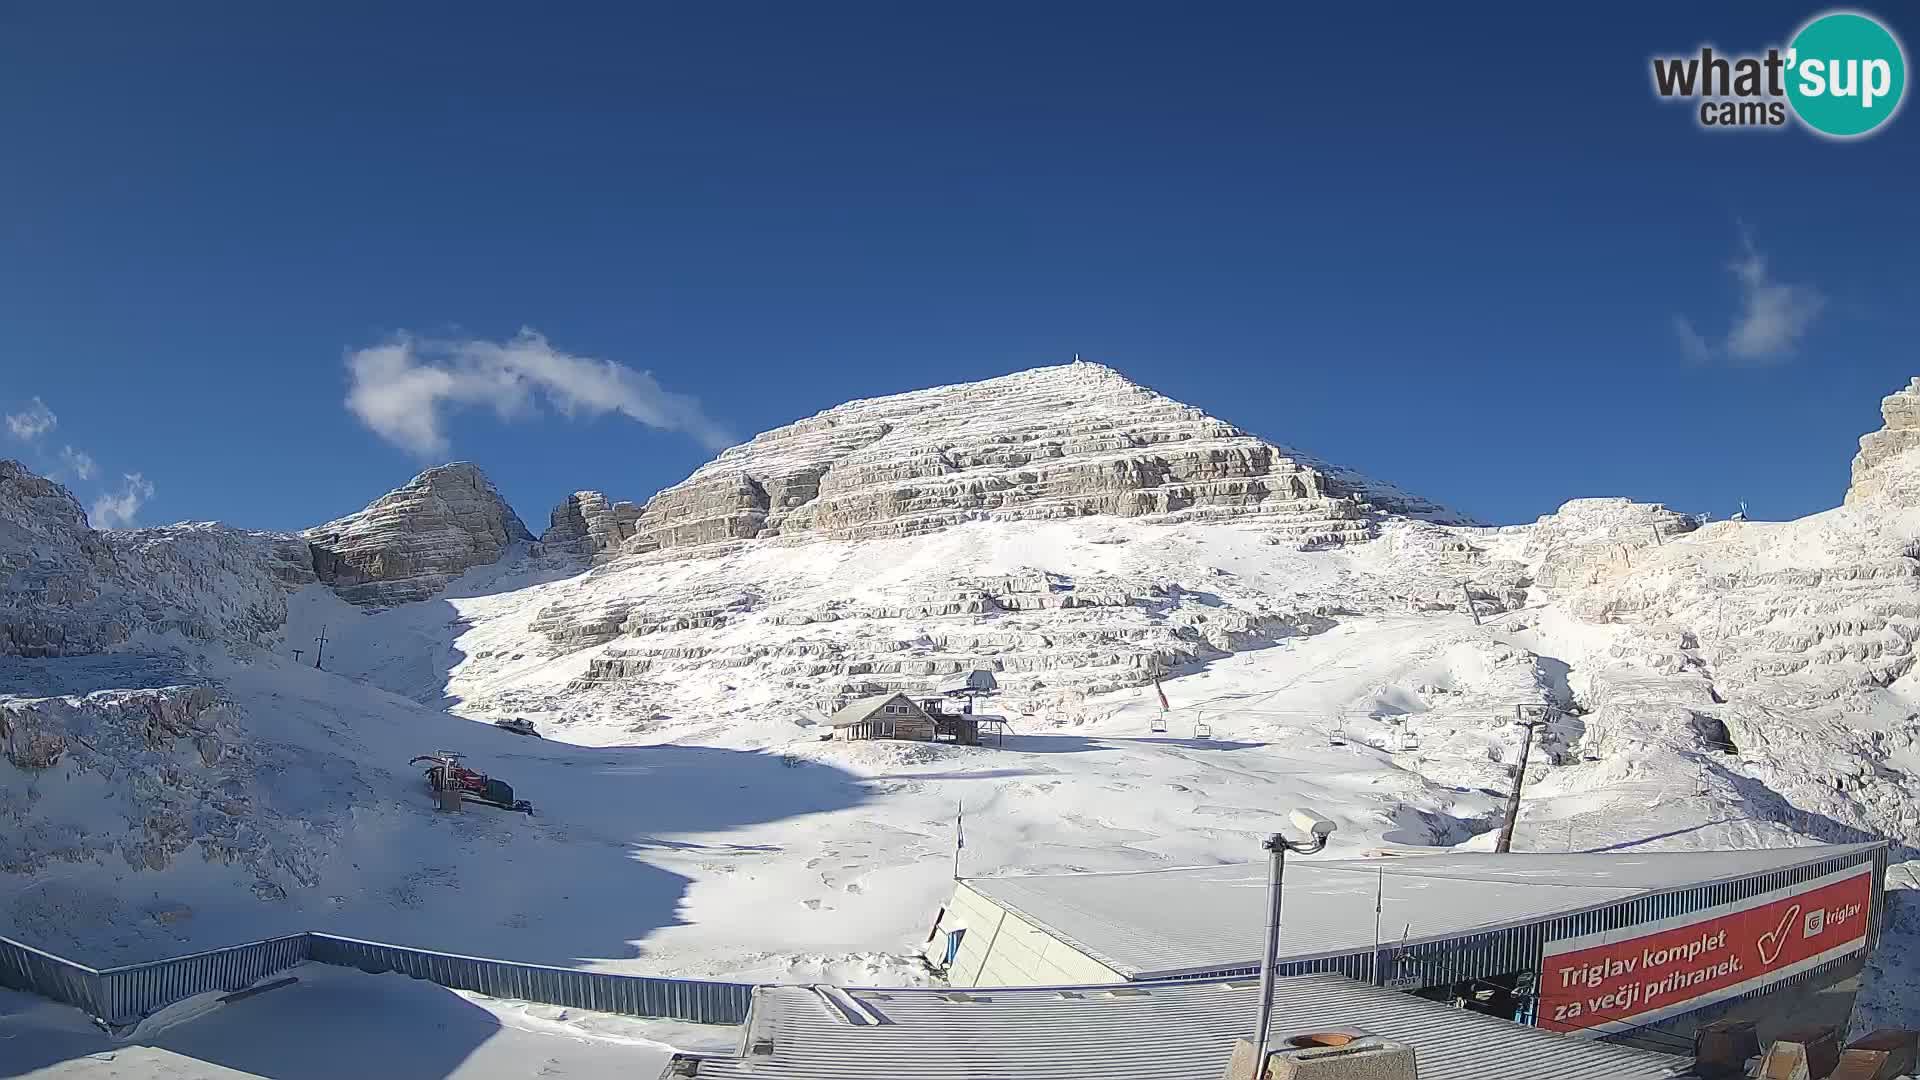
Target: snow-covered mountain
[[1058, 442], [173, 775]]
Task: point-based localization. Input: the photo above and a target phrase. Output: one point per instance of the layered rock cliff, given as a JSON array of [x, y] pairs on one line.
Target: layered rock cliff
[[407, 544], [1871, 472], [1055, 442], [587, 524]]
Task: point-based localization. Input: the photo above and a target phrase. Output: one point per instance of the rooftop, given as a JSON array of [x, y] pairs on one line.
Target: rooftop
[[1161, 923], [335, 1022], [860, 709], [1164, 1031]]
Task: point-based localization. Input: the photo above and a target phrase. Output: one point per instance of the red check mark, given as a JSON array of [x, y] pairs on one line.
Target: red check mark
[[1777, 937]]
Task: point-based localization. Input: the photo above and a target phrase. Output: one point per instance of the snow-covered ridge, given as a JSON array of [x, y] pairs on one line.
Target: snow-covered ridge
[[67, 590], [1056, 442]]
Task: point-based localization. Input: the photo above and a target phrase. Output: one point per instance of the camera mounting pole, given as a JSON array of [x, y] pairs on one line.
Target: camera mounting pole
[[1277, 846]]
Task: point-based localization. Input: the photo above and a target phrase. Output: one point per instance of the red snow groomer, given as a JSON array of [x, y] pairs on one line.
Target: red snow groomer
[[446, 775]]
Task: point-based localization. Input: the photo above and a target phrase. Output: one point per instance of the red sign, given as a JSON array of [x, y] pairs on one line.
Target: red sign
[[1590, 984]]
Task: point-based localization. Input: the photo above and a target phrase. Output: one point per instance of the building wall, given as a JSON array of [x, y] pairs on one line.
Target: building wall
[[917, 725], [1002, 949]]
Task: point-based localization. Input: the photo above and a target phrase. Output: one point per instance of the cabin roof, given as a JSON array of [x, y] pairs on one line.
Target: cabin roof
[[860, 710]]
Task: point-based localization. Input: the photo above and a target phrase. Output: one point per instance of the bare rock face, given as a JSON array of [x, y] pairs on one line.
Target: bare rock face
[[410, 542], [67, 590], [1057, 442], [56, 573], [587, 524], [1873, 471]]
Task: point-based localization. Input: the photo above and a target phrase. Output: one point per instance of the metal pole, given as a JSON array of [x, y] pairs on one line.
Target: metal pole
[[1379, 894], [1276, 867], [1471, 610], [1519, 777]]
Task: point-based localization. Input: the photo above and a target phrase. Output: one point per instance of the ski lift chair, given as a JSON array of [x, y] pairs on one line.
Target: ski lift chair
[[1202, 731], [1159, 725]]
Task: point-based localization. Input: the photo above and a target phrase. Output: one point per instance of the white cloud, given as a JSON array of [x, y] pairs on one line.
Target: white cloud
[[1773, 317], [117, 511], [1771, 320], [403, 390], [33, 421], [78, 462], [1698, 349]]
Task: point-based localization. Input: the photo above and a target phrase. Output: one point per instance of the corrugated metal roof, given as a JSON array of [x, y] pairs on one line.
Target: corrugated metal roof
[[1154, 1031], [1167, 922]]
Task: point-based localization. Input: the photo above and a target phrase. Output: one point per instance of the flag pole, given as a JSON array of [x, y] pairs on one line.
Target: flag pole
[[959, 837]]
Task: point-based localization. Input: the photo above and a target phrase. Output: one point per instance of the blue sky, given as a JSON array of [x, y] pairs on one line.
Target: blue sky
[[1452, 246]]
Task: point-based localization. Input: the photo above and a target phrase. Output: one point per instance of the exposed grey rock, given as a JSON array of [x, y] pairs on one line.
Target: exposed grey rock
[[1056, 442], [31, 738], [1872, 473], [407, 544], [67, 590], [55, 572], [587, 524]]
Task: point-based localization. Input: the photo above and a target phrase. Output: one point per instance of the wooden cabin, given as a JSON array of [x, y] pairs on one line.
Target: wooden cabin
[[884, 716]]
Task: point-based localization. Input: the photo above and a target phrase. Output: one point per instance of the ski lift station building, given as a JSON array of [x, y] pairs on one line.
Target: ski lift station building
[[1603, 944]]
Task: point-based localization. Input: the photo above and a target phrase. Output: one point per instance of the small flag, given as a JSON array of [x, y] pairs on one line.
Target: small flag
[[1162, 693]]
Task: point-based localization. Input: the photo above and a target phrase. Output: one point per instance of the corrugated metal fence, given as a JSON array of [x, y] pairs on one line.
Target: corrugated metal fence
[[1494, 953], [630, 995], [125, 995], [23, 967]]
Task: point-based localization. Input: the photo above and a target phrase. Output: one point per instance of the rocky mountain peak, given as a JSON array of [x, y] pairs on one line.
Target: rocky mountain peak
[[407, 544], [1054, 442], [1874, 469], [36, 513]]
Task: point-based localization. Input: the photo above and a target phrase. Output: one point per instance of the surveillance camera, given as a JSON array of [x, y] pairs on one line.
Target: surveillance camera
[[1309, 822]]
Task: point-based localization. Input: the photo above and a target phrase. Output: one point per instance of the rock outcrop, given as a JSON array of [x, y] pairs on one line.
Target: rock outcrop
[[407, 544], [67, 590], [587, 524], [1057, 442], [1873, 473], [56, 573]]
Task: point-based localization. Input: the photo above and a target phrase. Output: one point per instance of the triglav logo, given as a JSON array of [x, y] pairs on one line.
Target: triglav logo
[[1843, 75]]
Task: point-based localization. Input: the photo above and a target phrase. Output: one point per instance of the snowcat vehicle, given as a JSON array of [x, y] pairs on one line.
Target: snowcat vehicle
[[519, 725], [445, 773]]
